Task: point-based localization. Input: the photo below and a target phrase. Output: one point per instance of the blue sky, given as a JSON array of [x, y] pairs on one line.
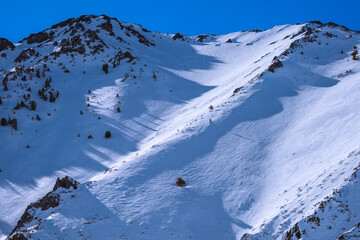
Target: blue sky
[[21, 18]]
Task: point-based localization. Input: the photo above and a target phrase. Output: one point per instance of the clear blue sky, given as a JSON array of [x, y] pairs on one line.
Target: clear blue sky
[[20, 18]]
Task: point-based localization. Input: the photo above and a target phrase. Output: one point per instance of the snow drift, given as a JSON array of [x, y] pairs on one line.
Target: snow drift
[[261, 125]]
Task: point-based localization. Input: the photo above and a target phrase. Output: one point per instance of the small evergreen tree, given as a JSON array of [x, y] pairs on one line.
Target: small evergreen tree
[[354, 55], [37, 73], [3, 122], [4, 82], [107, 134], [32, 105], [105, 68], [13, 123], [180, 182], [47, 82]]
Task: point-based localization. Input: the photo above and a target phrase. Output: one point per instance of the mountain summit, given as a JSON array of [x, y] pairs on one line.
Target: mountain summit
[[110, 131]]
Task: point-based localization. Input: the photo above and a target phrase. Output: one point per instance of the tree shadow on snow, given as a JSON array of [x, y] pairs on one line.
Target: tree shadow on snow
[[262, 104], [62, 154]]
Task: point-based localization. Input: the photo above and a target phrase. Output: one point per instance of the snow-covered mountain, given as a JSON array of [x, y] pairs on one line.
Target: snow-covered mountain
[[261, 125]]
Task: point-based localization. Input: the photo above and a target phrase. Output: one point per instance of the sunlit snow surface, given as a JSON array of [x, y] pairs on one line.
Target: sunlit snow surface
[[257, 162]]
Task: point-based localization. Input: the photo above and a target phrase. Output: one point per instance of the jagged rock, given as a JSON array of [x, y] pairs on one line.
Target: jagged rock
[[5, 44], [353, 233], [178, 36], [331, 24], [70, 21], [107, 26], [51, 200], [130, 29], [25, 55], [201, 38], [329, 35], [76, 43], [38, 37], [141, 37], [65, 182], [294, 231], [121, 56], [276, 64], [17, 236], [316, 22], [238, 90], [73, 44], [91, 36], [255, 30]]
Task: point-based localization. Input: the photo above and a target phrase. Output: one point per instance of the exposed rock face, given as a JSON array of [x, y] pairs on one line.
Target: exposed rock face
[[107, 26], [39, 37], [18, 236], [71, 21], [81, 37], [201, 38], [77, 39], [6, 44], [65, 182], [121, 56], [354, 233], [51, 200], [25, 55], [73, 44], [276, 64], [293, 232], [178, 36]]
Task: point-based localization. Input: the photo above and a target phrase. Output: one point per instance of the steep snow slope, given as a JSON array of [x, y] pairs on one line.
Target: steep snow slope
[[256, 126]]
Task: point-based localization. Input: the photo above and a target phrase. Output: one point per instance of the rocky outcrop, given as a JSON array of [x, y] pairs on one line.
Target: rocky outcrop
[[276, 64], [74, 44], [25, 55], [84, 18], [51, 200], [178, 36], [6, 44], [121, 56], [39, 37], [353, 233], [65, 182]]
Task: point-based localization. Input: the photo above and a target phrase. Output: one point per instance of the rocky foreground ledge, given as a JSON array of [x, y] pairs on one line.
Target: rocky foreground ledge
[[50, 200]]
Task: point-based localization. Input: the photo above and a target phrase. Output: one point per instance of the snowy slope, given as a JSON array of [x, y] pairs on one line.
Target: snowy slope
[[259, 127]]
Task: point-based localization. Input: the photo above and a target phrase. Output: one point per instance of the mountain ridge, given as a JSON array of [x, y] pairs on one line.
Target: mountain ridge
[[218, 106]]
